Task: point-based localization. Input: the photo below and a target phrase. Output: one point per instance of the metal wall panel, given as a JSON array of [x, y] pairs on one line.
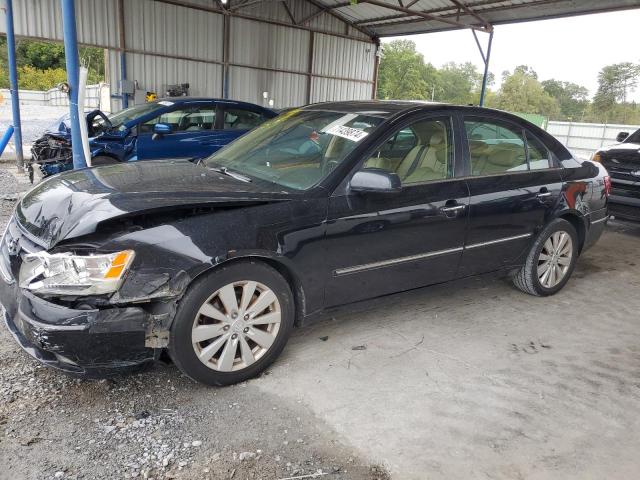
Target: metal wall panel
[[96, 20], [342, 57], [154, 73], [270, 46], [583, 139], [286, 89], [329, 90], [171, 30]]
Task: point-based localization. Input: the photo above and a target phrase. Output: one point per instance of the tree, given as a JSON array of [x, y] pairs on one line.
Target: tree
[[522, 92], [614, 83], [41, 64], [403, 73], [460, 83], [40, 55], [572, 98]]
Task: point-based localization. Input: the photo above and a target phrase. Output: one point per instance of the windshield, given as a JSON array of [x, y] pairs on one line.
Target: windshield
[[634, 137], [298, 149], [123, 116]]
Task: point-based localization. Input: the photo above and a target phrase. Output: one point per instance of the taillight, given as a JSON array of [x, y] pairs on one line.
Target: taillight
[[596, 157], [607, 185]]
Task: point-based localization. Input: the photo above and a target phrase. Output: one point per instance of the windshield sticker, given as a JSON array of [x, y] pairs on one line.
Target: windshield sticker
[[353, 134], [166, 103]]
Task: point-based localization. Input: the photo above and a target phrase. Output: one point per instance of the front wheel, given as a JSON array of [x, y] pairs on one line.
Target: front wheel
[[551, 260], [232, 324]]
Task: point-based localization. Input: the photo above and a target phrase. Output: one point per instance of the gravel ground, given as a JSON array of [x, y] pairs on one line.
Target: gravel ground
[[35, 119], [156, 424]]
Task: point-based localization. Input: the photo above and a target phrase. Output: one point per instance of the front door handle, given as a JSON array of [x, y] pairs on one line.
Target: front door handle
[[451, 211]]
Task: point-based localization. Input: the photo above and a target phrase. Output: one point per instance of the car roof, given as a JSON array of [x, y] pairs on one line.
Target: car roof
[[391, 108], [181, 100]]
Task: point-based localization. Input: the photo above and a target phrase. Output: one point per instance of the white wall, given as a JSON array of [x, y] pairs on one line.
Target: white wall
[[585, 138], [54, 97]]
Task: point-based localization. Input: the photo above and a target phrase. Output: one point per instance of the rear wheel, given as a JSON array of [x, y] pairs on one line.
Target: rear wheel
[[232, 324], [551, 260]]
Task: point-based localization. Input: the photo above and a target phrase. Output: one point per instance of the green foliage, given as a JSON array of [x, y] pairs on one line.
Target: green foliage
[[460, 83], [614, 84], [41, 64], [522, 92], [573, 99], [403, 73], [30, 78]]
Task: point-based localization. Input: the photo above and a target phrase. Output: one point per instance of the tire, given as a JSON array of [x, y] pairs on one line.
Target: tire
[[229, 331], [531, 277], [101, 160]]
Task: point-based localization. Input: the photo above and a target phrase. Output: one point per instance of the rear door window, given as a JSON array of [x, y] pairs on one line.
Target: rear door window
[[495, 147], [539, 155]]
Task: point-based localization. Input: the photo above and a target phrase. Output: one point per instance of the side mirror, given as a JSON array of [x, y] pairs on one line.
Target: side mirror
[[622, 136], [375, 180], [160, 129]]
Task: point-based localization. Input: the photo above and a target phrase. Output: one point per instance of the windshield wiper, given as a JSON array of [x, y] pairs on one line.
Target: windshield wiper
[[236, 175]]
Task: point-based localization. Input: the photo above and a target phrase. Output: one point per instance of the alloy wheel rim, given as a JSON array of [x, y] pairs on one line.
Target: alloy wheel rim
[[555, 259], [236, 326]]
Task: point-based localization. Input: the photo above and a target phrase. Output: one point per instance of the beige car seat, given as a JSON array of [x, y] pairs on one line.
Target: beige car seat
[[425, 161]]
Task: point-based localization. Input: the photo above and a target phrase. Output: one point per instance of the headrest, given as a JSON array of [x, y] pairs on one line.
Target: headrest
[[504, 157], [436, 139]]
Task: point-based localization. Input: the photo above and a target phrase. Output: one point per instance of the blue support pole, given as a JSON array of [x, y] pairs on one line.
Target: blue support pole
[[5, 138], [123, 77], [13, 83], [71, 56]]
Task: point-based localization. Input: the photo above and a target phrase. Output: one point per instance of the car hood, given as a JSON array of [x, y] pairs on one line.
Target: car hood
[[72, 204], [623, 148]]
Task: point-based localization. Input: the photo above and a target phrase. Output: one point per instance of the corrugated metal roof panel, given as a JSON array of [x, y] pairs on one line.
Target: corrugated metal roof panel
[[496, 12], [271, 46]]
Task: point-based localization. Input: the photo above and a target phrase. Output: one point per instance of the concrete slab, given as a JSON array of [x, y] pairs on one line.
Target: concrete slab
[[478, 380]]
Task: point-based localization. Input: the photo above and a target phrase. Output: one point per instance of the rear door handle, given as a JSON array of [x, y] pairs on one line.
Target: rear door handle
[[457, 208]]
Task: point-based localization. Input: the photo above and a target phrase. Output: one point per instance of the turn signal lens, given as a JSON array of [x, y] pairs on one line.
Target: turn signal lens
[[119, 263]]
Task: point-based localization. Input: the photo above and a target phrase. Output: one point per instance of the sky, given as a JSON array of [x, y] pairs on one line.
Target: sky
[[569, 49]]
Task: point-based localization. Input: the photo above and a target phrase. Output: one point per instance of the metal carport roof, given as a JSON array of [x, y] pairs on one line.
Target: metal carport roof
[[384, 18]]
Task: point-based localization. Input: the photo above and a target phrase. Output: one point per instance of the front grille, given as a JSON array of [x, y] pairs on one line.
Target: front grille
[[624, 211], [13, 245]]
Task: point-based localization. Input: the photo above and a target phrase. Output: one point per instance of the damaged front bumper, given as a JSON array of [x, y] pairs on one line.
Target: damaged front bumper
[[89, 343]]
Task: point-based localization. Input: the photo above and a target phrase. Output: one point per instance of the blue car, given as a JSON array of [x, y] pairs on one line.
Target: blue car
[[180, 127]]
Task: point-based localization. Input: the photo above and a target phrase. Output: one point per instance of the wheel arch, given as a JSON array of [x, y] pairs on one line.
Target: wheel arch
[[277, 263], [578, 222]]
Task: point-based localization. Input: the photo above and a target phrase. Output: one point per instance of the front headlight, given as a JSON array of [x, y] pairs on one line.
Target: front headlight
[[69, 274]]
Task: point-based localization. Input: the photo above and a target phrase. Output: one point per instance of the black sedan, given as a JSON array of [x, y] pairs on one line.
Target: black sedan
[[215, 261], [622, 160]]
